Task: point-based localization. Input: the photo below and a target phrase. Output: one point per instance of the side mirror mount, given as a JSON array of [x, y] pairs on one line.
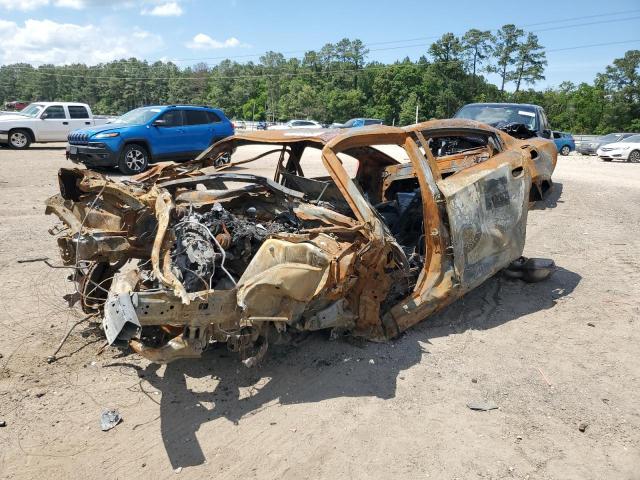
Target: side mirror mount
[[159, 123], [546, 133], [44, 116]]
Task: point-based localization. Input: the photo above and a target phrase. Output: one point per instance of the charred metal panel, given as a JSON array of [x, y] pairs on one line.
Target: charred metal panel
[[487, 207]]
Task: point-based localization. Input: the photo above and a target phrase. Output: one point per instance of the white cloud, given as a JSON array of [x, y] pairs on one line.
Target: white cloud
[[75, 4], [23, 5], [203, 41], [165, 8], [45, 41], [168, 9]]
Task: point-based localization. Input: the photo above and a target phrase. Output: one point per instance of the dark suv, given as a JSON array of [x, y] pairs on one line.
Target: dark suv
[[498, 114], [147, 134]]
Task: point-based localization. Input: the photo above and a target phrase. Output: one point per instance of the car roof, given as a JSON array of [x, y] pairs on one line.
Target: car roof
[[194, 107], [73, 104], [498, 104]]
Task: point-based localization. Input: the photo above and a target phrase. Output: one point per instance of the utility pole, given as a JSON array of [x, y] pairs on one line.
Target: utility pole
[[253, 114]]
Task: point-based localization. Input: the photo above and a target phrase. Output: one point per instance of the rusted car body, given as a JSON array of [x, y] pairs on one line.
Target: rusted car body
[[189, 254]]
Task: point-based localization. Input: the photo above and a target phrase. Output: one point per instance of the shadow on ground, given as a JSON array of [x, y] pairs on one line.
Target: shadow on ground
[[552, 199], [317, 369], [48, 147]]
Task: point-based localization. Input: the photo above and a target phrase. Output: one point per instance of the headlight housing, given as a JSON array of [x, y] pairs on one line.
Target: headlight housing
[[106, 135]]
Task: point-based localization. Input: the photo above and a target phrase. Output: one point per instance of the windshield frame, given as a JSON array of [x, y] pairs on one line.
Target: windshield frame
[[136, 116]]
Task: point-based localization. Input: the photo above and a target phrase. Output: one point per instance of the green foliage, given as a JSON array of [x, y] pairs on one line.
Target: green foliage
[[506, 45], [530, 62], [337, 82]]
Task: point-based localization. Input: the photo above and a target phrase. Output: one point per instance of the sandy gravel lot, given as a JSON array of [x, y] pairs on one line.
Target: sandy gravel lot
[[552, 356]]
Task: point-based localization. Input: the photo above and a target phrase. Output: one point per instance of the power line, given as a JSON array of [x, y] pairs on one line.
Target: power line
[[587, 24], [606, 44], [416, 39], [435, 37], [286, 74]]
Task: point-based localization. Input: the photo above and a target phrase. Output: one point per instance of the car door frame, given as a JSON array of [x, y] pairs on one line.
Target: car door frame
[[474, 220], [435, 282], [53, 129], [177, 147], [198, 136], [78, 123], [487, 206]]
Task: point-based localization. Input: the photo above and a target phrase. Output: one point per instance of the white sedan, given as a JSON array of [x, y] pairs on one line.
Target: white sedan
[[627, 150], [291, 124]]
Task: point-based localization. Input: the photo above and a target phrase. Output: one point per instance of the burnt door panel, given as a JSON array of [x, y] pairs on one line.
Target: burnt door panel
[[487, 207]]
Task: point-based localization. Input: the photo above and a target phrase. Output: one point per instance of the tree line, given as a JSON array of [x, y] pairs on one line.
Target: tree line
[[338, 82]]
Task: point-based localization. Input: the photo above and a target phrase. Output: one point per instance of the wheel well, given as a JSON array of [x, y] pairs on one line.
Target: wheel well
[[142, 143], [32, 137]]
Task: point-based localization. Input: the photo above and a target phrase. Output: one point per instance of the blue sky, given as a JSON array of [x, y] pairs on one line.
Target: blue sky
[[187, 31]]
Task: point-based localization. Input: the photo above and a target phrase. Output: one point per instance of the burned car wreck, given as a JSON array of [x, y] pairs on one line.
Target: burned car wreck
[[189, 254]]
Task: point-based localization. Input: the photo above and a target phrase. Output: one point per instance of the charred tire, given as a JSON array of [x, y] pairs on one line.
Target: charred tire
[[565, 150], [634, 156], [134, 159], [19, 139], [223, 159]]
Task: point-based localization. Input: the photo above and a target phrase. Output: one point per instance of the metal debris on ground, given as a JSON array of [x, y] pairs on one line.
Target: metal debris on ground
[[482, 406], [109, 419]]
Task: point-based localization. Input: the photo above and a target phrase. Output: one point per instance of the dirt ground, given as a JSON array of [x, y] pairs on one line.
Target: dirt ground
[[552, 356]]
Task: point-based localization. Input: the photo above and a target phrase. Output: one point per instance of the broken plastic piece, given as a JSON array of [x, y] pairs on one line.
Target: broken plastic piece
[[109, 419], [482, 406]]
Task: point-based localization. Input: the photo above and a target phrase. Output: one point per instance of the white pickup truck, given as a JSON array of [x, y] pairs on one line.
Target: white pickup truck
[[43, 122]]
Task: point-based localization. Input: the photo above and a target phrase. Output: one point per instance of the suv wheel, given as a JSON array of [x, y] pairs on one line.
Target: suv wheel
[[565, 150], [133, 159], [19, 139]]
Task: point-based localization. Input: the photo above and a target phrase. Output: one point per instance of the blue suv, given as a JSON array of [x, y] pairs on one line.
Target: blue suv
[[148, 134]]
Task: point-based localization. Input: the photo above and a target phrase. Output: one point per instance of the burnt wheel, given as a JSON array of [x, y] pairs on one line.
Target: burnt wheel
[[94, 285]]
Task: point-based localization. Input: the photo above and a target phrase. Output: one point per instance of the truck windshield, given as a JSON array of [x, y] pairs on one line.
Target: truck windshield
[[32, 110], [138, 116], [495, 114]]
